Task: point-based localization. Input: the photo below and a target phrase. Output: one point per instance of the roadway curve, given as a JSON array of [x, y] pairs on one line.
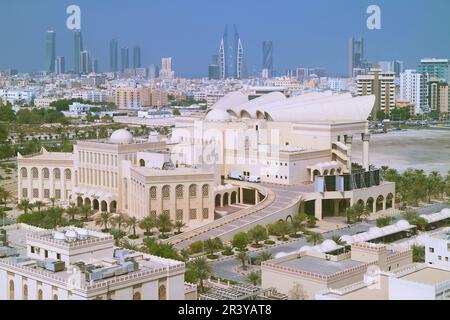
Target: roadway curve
[[277, 198]]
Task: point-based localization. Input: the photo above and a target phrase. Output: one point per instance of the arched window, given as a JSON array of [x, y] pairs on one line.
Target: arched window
[[68, 174], [11, 290], [57, 173], [166, 192], [34, 173], [179, 215], [142, 163], [153, 193], [25, 292], [45, 173], [193, 190], [179, 190], [162, 292], [205, 190], [40, 294], [55, 297], [24, 172]]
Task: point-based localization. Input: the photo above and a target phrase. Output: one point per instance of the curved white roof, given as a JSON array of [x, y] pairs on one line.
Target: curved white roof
[[311, 107], [121, 136], [218, 115]]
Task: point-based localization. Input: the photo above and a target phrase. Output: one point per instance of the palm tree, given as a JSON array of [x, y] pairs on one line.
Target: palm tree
[[3, 216], [298, 222], [5, 195], [178, 225], [86, 211], [128, 245], [132, 223], [337, 239], [39, 204], [24, 205], [263, 256], [314, 238], [72, 211], [258, 233], [53, 199], [243, 256], [54, 215], [201, 270], [119, 220], [104, 219], [164, 223], [212, 245], [254, 278], [147, 224]]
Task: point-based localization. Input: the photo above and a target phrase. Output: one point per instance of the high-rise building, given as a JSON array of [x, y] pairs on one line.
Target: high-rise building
[[355, 54], [267, 57], [438, 95], [50, 51], [382, 86], [231, 56], [439, 68], [85, 63], [78, 47], [214, 68], [166, 68], [60, 65], [153, 71], [125, 59], [136, 56], [113, 55], [413, 89], [395, 66], [93, 65]]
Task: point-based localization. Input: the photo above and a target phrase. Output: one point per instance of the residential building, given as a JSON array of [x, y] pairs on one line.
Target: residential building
[[413, 89], [355, 54], [60, 65], [382, 86], [438, 68], [166, 71], [50, 54], [438, 95]]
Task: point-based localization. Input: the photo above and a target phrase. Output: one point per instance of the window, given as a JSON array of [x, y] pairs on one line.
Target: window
[[153, 193], [55, 297], [45, 173], [205, 190], [35, 193], [57, 173], [25, 292], [439, 258], [166, 212], [24, 172], [57, 193], [40, 294], [11, 290], [34, 173], [46, 193], [446, 258], [166, 192], [25, 192], [153, 213], [68, 174], [205, 213], [193, 214], [162, 292], [192, 190], [58, 256], [179, 215], [431, 250], [46, 253], [32, 249], [137, 296], [179, 191]]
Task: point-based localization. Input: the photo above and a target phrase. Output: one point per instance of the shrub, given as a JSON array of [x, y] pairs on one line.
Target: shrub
[[196, 247], [269, 242]]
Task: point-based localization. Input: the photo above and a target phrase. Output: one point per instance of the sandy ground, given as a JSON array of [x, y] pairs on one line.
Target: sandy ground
[[422, 149]]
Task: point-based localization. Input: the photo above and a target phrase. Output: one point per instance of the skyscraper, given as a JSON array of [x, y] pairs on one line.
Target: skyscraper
[[136, 56], [60, 65], [166, 68], [50, 52], [413, 89], [231, 56], [85, 63], [78, 48], [125, 59], [355, 54], [214, 69], [113, 55], [439, 68], [267, 57]]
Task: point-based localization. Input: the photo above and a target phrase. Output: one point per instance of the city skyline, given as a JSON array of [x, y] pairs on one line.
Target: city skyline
[[297, 44]]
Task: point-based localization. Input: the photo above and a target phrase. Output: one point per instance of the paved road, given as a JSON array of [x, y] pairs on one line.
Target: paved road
[[284, 196], [225, 268]]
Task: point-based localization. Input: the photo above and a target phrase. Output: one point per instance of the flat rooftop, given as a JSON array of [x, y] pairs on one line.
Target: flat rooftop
[[430, 276], [320, 266]]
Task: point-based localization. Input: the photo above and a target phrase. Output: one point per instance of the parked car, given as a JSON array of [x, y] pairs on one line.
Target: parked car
[[254, 179], [235, 175]]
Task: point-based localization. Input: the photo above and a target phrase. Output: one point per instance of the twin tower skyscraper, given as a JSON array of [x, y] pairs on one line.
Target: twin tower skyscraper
[[231, 56]]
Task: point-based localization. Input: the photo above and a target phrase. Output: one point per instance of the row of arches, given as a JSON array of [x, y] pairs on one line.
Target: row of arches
[[179, 191], [25, 292], [45, 173], [326, 172], [98, 205], [378, 204], [226, 198]]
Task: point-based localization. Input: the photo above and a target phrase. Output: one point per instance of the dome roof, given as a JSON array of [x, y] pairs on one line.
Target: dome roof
[[329, 245], [59, 236], [71, 234], [218, 115], [121, 136], [375, 231]]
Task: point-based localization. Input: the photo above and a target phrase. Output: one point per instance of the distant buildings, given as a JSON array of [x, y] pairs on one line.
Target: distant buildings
[[267, 57], [438, 95], [166, 71], [231, 56], [136, 57], [214, 68], [413, 89], [50, 52], [439, 68], [125, 59], [139, 97], [355, 55], [113, 55], [85, 63], [60, 65], [78, 48], [382, 85], [395, 66]]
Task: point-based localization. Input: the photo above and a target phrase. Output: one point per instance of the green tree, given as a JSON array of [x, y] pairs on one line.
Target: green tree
[[418, 253], [119, 221], [337, 239], [179, 225], [263, 256], [201, 271], [132, 224], [282, 228], [299, 222], [243, 257], [212, 245], [164, 223], [257, 233], [38, 204], [104, 220], [384, 221], [5, 195], [240, 241], [314, 238], [55, 216], [86, 211], [254, 278], [147, 224], [24, 205], [72, 211]]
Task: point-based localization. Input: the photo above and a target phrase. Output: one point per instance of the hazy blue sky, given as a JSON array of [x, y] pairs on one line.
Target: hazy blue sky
[[305, 33]]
